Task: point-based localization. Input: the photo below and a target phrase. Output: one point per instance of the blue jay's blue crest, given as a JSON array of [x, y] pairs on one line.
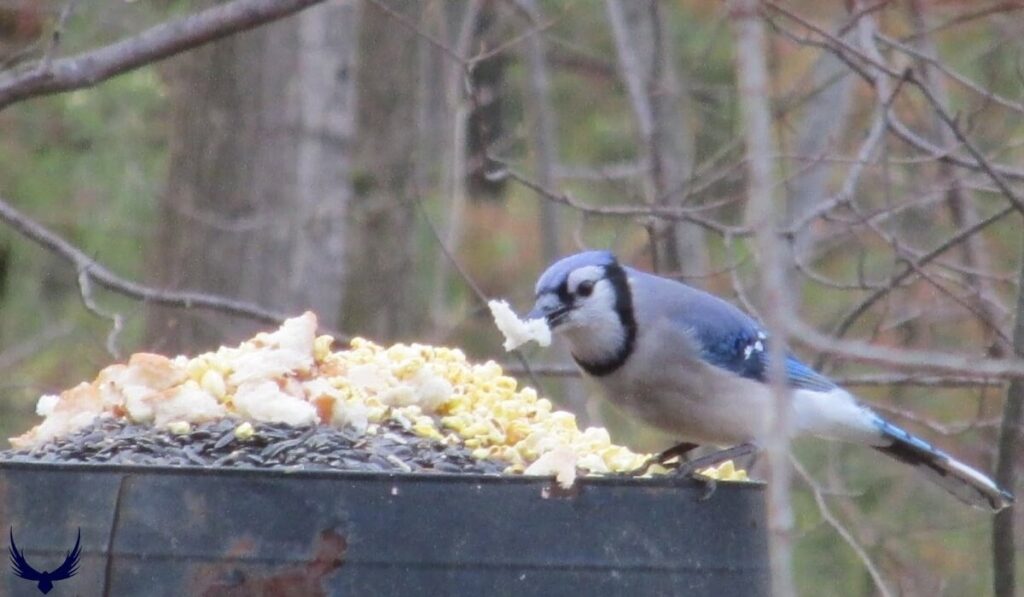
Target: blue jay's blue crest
[[553, 279], [692, 364]]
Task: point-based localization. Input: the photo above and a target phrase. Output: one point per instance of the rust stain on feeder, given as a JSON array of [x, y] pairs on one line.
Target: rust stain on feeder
[[303, 580]]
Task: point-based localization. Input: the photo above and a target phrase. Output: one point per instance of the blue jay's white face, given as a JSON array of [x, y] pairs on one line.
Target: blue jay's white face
[[591, 306], [585, 299]]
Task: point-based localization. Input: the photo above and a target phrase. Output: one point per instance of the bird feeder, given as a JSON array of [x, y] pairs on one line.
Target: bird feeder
[[150, 530]]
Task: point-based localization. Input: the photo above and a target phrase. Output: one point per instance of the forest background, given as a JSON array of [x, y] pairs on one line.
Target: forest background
[[178, 174]]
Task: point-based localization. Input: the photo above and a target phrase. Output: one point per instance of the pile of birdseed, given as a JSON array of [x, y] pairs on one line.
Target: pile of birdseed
[[265, 445], [291, 379]]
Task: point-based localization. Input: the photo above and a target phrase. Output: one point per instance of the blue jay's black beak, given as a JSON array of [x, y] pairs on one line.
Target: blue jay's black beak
[[551, 310], [537, 313]]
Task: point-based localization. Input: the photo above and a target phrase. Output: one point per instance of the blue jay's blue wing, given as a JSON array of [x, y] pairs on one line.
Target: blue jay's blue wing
[[746, 355], [732, 340], [802, 377]]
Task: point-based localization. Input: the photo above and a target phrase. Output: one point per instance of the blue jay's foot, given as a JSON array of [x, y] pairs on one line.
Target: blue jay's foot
[[687, 469], [679, 451]]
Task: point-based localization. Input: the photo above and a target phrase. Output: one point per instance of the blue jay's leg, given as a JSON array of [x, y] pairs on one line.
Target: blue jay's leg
[[716, 458], [688, 469], [679, 450]]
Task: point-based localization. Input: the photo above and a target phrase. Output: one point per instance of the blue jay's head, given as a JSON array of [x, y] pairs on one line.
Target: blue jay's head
[[587, 297]]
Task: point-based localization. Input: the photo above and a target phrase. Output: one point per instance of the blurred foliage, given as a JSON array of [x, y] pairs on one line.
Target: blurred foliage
[[87, 165], [91, 164]]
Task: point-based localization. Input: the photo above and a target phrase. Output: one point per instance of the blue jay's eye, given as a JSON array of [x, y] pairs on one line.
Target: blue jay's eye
[[585, 288]]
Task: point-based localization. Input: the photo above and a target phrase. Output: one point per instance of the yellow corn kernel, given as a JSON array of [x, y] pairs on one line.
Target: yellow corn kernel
[[179, 427], [213, 382], [244, 431], [197, 367], [425, 427], [407, 367], [322, 347]]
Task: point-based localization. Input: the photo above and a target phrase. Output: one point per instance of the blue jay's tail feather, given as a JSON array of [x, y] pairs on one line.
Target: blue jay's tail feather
[[967, 484]]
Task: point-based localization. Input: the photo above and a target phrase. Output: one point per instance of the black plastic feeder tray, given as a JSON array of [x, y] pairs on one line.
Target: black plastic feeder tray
[[191, 531]]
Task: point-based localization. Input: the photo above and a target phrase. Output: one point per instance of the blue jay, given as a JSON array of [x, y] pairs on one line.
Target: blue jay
[[690, 363]]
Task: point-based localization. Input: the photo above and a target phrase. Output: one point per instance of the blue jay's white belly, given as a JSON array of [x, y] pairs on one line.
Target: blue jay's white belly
[[705, 407], [695, 401]]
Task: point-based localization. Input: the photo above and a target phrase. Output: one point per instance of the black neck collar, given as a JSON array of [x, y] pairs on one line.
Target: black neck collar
[[615, 274]]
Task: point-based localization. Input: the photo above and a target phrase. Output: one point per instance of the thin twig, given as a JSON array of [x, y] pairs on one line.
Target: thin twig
[[847, 322], [468, 280], [55, 37], [906, 359], [97, 272], [116, 320], [419, 32], [850, 381], [637, 211], [982, 161], [987, 94], [856, 59], [835, 523]]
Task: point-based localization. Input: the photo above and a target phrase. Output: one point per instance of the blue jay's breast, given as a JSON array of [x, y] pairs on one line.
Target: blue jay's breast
[[677, 392]]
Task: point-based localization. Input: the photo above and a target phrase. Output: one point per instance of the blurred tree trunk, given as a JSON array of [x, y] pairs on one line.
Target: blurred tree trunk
[[960, 201], [1011, 440], [259, 182], [461, 27], [380, 289], [667, 140], [543, 130], [822, 122]]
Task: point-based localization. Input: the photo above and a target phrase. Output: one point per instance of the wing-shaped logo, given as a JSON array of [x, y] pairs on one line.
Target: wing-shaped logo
[[45, 579]]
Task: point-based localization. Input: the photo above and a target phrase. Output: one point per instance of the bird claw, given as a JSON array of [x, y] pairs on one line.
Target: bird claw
[[710, 485], [692, 467], [679, 450]]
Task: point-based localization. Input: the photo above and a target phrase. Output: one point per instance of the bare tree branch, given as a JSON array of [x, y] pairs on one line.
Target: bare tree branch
[[960, 201], [930, 58], [159, 42], [917, 360], [401, 19], [656, 94], [974, 13], [848, 321], [650, 211], [867, 380], [860, 62], [91, 270]]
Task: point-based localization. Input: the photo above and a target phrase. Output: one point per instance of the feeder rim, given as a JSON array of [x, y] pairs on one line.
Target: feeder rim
[[397, 476]]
